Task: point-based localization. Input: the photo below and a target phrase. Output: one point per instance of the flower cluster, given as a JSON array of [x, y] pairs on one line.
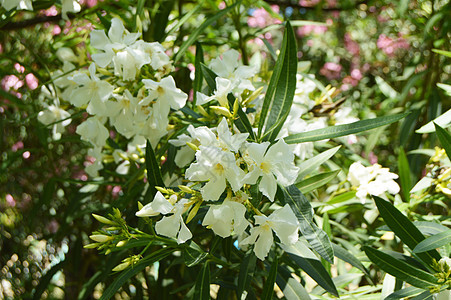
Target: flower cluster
[[126, 86], [373, 180]]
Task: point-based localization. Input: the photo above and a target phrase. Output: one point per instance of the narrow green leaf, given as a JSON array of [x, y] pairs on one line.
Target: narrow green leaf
[[434, 242], [311, 164], [196, 33], [430, 228], [272, 84], [400, 269], [342, 130], [202, 287], [241, 121], [291, 288], [346, 256], [404, 229], [247, 269], [193, 254], [183, 19], [444, 121], [153, 170], [198, 77], [316, 270], [444, 138], [407, 292], [301, 207], [209, 76], [316, 181], [426, 295], [442, 52], [286, 85], [404, 174], [135, 269], [268, 288]]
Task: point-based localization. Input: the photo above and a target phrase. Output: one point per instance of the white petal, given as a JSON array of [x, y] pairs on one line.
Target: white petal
[[184, 233], [268, 186], [264, 243]]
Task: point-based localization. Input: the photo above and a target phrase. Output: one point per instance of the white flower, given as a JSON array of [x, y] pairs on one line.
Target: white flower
[[167, 94], [69, 6], [226, 219], [117, 40], [91, 91], [229, 68], [171, 226], [94, 168], [282, 221], [52, 114], [223, 88], [215, 166], [373, 180], [276, 165], [18, 4], [92, 130]]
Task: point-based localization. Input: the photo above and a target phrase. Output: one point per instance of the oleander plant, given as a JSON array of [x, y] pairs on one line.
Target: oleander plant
[[170, 149]]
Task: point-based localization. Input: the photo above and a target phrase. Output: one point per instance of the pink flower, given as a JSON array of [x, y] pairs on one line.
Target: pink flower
[[19, 68], [389, 45], [32, 81], [17, 146], [10, 200], [351, 45], [356, 74], [11, 82], [308, 3], [261, 18], [331, 70]]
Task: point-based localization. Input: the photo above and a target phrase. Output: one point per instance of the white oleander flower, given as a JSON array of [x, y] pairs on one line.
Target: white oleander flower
[[223, 88], [166, 94], [373, 180], [171, 226], [274, 165], [52, 114], [217, 167], [69, 6], [226, 219], [117, 40], [91, 91], [282, 221], [92, 130], [228, 67], [18, 4]]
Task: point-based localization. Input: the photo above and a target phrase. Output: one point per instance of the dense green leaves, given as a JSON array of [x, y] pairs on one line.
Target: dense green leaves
[[309, 165], [153, 170], [202, 287], [400, 269], [247, 269], [268, 289], [404, 229]]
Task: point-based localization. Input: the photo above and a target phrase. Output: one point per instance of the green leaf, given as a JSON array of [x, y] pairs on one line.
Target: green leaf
[[202, 287], [444, 138], [280, 100], [153, 170], [196, 33], [407, 292], [135, 269], [291, 288], [444, 121], [311, 164], [434, 242], [183, 20], [273, 82], [404, 174], [400, 269], [209, 76], [198, 78], [316, 181], [386, 89], [247, 269], [404, 229], [342, 130], [346, 256], [316, 270], [301, 207], [426, 295], [268, 288], [193, 254], [442, 52], [429, 228]]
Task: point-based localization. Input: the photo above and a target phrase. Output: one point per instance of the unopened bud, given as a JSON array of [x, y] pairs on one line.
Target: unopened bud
[[202, 111], [185, 189], [121, 267], [222, 111], [192, 146], [236, 107], [161, 190], [140, 205], [101, 238], [91, 246], [103, 220], [121, 243]]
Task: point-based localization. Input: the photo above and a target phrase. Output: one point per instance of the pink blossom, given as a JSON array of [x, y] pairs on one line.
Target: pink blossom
[[222, 5], [88, 3], [17, 146], [11, 82], [53, 226], [311, 29], [261, 18], [372, 158], [10, 200], [331, 70], [32, 81], [351, 45], [389, 45], [356, 74], [50, 12], [308, 3], [56, 30], [19, 68]]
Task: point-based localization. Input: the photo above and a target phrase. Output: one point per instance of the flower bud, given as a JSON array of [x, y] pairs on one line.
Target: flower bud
[[121, 266], [121, 243], [101, 238], [103, 220]]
